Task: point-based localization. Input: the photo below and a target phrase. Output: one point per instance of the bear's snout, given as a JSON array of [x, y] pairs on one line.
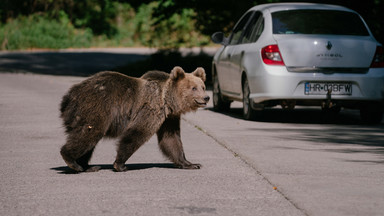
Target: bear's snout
[[202, 101]]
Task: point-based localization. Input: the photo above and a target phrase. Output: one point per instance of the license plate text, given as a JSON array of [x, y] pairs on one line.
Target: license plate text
[[324, 88]]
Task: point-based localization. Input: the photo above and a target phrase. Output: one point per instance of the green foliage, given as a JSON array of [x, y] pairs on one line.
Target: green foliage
[[143, 23], [154, 23], [175, 31], [39, 31], [210, 16], [100, 23], [96, 15], [213, 15], [125, 27]]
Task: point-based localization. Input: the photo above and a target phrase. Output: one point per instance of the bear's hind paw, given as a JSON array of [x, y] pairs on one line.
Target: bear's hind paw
[[93, 169], [120, 167], [191, 166]]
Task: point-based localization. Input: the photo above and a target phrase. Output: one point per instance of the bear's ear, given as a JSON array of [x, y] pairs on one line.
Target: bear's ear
[[200, 72], [177, 73]]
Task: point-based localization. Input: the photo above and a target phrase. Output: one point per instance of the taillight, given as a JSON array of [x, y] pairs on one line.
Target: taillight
[[271, 55], [378, 59]]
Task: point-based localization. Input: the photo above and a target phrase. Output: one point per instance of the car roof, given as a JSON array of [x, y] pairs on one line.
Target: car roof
[[297, 6]]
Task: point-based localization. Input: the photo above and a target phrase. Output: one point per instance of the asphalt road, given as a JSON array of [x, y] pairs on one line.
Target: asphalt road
[[290, 163]]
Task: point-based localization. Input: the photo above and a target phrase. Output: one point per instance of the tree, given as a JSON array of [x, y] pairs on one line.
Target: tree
[[212, 15]]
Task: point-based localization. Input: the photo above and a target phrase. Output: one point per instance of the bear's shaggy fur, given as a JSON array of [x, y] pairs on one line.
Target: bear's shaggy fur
[[110, 104]]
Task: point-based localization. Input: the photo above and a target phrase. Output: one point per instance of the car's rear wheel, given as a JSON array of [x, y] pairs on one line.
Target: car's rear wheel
[[371, 114], [248, 112], [219, 104]]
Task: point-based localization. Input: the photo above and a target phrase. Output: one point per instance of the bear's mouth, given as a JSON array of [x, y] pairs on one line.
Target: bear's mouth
[[201, 104]]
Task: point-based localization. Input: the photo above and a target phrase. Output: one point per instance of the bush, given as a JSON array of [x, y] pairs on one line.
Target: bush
[[175, 31], [36, 31], [105, 23]]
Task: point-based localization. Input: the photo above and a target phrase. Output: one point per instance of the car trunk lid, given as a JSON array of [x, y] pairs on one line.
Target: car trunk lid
[[317, 39], [311, 51]]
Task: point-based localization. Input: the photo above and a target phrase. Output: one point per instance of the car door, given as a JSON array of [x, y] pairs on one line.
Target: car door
[[226, 67], [222, 70], [250, 35]]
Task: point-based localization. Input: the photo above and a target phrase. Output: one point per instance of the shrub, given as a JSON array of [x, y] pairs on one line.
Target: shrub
[[175, 31], [37, 31], [105, 23]]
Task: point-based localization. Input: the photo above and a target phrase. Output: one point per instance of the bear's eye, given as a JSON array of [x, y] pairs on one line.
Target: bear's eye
[[194, 89]]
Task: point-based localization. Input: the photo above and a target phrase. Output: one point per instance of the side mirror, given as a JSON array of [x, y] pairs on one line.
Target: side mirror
[[219, 38]]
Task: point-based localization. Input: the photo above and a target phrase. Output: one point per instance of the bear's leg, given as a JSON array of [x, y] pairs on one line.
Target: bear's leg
[[84, 160], [130, 142], [170, 143], [69, 156], [78, 150]]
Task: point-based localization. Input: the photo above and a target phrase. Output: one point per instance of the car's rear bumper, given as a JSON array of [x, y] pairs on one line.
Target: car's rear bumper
[[279, 84]]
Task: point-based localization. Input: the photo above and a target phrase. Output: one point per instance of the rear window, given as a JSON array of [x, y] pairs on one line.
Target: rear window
[[329, 22]]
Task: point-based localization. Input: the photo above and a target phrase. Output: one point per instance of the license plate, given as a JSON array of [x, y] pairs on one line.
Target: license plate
[[315, 88]]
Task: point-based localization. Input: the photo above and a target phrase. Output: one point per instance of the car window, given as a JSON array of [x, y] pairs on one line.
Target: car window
[[257, 29], [239, 29], [251, 29], [330, 22]]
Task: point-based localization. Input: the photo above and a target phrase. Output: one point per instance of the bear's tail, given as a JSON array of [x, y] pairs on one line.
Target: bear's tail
[[66, 113], [64, 104]]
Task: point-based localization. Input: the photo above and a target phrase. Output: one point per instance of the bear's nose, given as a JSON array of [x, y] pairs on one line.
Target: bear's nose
[[206, 98]]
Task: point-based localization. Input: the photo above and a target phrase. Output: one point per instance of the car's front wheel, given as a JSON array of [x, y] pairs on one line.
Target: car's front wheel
[[219, 104], [248, 112]]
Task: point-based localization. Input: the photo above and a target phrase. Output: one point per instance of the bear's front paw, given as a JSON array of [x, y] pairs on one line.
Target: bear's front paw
[[119, 167], [76, 167]]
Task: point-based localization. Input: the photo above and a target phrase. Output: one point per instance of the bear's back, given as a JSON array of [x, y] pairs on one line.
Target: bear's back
[[156, 76], [99, 90]]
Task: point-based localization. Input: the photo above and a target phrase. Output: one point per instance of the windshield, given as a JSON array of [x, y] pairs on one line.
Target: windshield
[[329, 22]]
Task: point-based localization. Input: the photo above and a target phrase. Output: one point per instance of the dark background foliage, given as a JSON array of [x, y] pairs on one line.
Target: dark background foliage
[[213, 15], [208, 16]]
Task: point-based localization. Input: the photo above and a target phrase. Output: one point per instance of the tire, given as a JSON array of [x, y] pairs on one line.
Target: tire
[[219, 104], [248, 112], [371, 115]]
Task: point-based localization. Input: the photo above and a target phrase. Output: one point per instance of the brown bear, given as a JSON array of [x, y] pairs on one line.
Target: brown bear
[[111, 104]]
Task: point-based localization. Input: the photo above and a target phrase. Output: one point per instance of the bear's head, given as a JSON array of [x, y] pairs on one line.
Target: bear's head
[[190, 88]]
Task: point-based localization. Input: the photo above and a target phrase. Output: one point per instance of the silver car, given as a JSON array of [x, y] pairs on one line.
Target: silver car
[[303, 54]]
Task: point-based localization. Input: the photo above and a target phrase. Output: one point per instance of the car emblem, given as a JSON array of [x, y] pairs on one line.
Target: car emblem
[[329, 45]]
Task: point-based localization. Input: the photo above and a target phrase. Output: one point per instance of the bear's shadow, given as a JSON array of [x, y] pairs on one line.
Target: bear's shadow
[[131, 167]]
